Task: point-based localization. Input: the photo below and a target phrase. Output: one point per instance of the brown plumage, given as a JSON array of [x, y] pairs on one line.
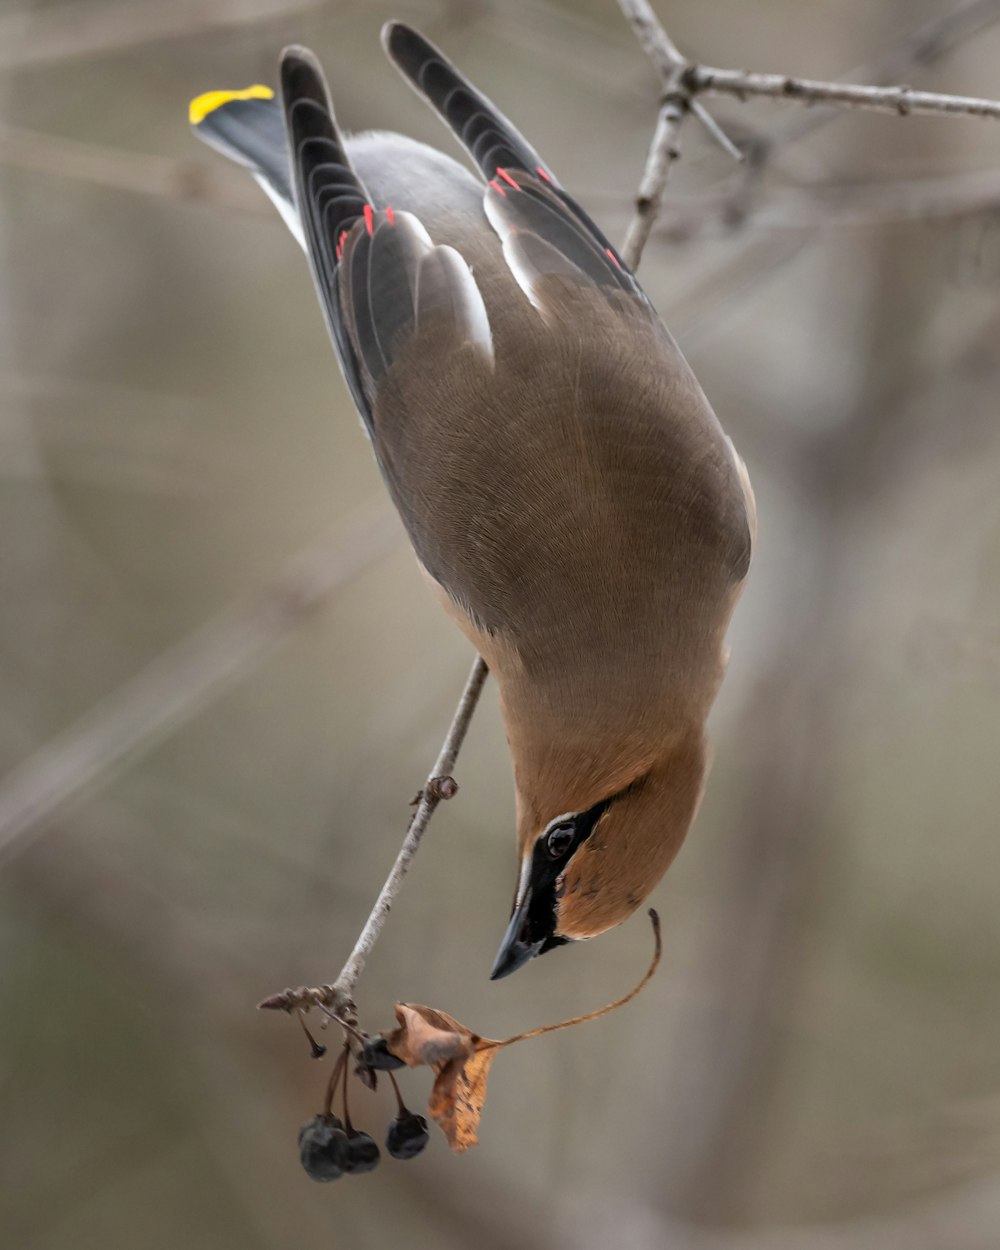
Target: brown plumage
[[565, 484]]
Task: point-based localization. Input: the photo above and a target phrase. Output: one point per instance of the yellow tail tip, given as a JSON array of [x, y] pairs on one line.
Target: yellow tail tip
[[202, 105]]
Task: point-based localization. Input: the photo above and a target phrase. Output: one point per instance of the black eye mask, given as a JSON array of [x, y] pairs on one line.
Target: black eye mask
[[545, 871], [531, 930]]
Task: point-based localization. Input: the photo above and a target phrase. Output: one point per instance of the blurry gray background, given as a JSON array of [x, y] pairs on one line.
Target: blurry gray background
[[818, 1062]]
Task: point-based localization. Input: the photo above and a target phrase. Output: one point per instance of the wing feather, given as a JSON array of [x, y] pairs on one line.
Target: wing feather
[[523, 194], [366, 260]]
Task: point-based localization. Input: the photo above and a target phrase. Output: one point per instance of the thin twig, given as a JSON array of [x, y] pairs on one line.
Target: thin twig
[[338, 997], [901, 100], [663, 151], [692, 78], [683, 80], [431, 795], [653, 39], [671, 66], [664, 148], [716, 131], [734, 205]]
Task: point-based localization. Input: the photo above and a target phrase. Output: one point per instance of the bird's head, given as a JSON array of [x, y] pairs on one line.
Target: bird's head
[[586, 867]]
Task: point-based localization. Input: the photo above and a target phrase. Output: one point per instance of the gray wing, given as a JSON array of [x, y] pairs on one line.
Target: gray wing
[[544, 232], [381, 281]]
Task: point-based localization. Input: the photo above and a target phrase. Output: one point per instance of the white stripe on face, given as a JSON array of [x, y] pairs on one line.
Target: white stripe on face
[[525, 877]]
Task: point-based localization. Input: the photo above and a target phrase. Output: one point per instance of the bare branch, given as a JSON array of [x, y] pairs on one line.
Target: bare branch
[[716, 131], [679, 74], [339, 997], [433, 792], [654, 40], [663, 151], [735, 206], [670, 64], [901, 100], [664, 147]]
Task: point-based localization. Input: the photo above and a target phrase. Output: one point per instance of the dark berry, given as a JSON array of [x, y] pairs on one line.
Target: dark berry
[[323, 1148], [407, 1135], [363, 1153], [376, 1054]]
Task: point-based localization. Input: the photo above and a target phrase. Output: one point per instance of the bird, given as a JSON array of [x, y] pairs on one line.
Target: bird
[[569, 493]]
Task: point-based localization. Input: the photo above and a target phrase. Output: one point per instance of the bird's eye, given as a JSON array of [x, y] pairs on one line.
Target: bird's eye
[[560, 839]]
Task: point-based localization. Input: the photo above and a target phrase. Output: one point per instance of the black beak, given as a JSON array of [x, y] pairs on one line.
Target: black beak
[[515, 950]]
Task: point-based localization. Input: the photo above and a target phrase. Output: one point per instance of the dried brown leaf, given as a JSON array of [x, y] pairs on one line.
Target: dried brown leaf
[[428, 1036], [457, 1099], [461, 1059]]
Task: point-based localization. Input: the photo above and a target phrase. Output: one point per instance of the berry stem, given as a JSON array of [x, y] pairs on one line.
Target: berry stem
[[399, 1097], [347, 1026], [347, 1114], [331, 1084], [317, 1048]]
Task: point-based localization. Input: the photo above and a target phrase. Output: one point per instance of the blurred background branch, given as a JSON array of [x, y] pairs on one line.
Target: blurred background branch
[[178, 683], [133, 172], [61, 32]]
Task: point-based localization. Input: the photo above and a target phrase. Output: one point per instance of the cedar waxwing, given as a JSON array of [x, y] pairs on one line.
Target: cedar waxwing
[[565, 484]]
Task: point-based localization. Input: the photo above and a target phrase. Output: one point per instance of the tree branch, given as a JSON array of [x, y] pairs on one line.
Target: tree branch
[[664, 147], [683, 81], [440, 785], [338, 997], [921, 48], [663, 151], [678, 99], [653, 38], [902, 100], [688, 79]]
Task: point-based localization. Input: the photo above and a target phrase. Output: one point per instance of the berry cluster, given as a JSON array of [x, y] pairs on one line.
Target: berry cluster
[[328, 1149], [331, 1147]]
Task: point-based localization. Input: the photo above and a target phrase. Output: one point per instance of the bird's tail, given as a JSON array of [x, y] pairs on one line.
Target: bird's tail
[[248, 127]]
